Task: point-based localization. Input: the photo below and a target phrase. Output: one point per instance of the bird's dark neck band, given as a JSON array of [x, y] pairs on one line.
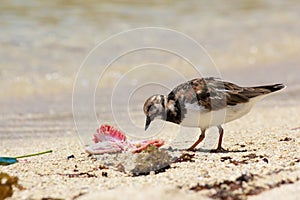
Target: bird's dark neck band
[[177, 114]]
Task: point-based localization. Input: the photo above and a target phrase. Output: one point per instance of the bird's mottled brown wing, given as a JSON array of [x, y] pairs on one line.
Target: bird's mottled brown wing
[[197, 92], [222, 93], [210, 93], [217, 94], [214, 94]]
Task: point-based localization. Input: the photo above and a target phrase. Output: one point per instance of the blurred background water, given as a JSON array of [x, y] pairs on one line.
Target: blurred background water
[[43, 44]]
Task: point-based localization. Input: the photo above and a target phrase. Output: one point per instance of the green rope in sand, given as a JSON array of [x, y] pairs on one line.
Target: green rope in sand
[[12, 160], [35, 154]]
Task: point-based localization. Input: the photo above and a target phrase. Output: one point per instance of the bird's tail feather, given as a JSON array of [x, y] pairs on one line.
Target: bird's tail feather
[[271, 88], [252, 92]]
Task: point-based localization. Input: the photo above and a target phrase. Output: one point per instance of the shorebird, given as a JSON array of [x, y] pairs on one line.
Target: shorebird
[[200, 103]]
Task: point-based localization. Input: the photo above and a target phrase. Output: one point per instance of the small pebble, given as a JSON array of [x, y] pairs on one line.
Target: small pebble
[[104, 174], [71, 156]]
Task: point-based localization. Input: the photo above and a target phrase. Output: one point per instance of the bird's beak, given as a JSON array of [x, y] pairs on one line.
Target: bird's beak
[[148, 121]]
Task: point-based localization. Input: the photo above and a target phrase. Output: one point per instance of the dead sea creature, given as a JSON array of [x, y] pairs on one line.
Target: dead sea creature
[[109, 140], [151, 159], [12, 160]]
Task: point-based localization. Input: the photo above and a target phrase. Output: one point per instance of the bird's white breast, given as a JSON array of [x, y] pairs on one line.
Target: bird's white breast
[[198, 116]]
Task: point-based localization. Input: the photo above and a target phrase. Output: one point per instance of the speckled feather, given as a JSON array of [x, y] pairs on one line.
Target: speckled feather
[[209, 94], [205, 103], [215, 94]]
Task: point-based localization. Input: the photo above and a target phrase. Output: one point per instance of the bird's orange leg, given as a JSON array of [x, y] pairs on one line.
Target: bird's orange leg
[[201, 137], [221, 132], [220, 148]]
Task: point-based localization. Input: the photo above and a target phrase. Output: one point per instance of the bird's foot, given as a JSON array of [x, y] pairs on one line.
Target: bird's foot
[[191, 149], [219, 150]]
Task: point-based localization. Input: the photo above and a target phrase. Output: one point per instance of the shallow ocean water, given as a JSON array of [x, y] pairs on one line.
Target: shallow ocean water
[[43, 45]]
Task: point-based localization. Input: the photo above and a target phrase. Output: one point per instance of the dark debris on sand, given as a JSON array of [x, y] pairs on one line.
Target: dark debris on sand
[[80, 175], [286, 139], [252, 157], [185, 157], [7, 183], [238, 189], [228, 190]]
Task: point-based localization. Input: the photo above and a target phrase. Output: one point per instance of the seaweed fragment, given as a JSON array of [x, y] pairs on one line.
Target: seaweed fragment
[[78, 195], [223, 158], [6, 185], [185, 157], [151, 159], [286, 139], [245, 160], [265, 160], [250, 156], [104, 174], [80, 175], [103, 167], [228, 189], [70, 157]]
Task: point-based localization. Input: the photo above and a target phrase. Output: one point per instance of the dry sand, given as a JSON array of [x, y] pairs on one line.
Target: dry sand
[[270, 136]]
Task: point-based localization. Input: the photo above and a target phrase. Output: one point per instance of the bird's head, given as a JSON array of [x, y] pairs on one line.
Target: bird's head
[[154, 108]]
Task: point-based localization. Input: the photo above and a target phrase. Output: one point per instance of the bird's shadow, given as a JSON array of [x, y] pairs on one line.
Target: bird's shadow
[[223, 151], [210, 150]]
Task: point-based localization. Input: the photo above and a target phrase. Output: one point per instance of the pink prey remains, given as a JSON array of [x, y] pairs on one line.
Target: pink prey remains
[[110, 140]]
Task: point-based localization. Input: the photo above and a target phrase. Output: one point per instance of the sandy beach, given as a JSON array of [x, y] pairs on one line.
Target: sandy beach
[[263, 145], [57, 88]]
